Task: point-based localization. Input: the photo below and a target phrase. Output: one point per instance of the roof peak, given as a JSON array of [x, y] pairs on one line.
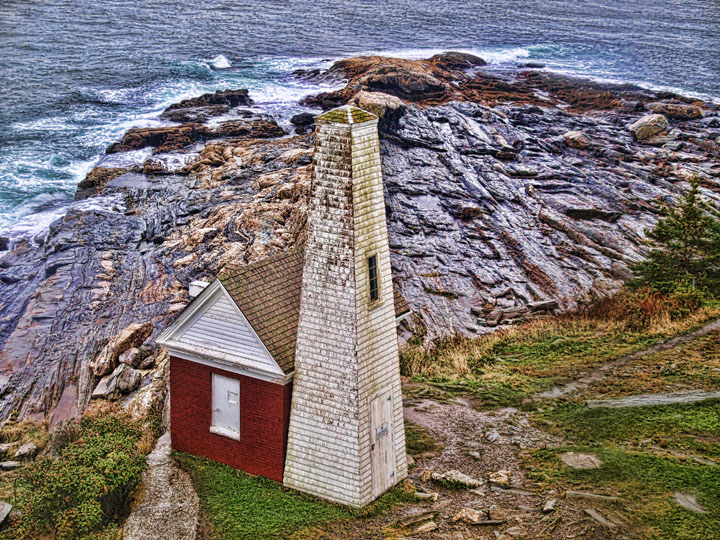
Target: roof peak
[[346, 114]]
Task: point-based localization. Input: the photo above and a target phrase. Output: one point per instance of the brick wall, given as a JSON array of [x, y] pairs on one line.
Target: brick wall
[[264, 417]]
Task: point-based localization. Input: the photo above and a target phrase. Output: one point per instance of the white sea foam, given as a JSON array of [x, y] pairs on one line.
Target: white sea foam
[[33, 219], [219, 62], [492, 56]]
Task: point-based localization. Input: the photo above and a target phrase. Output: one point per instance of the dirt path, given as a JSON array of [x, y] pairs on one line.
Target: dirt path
[[589, 377], [477, 444]]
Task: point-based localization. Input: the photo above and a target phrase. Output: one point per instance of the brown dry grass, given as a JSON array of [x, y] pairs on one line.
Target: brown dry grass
[[25, 432], [506, 366]]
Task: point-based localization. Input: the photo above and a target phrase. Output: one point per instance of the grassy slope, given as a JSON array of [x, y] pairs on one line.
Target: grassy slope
[[242, 507], [505, 368], [648, 453]]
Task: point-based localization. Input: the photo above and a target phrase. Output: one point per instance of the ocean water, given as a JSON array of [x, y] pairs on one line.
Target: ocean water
[[75, 74]]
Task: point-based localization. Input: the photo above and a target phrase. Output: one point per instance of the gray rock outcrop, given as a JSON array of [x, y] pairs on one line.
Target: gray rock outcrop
[[493, 219]]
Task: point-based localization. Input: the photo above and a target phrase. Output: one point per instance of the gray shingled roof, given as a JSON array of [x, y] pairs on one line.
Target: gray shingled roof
[[268, 294]]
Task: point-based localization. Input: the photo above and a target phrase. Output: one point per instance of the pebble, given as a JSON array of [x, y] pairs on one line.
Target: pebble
[[549, 506], [501, 477]]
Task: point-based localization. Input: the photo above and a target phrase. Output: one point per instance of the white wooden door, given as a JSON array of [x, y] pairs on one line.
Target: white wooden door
[[225, 406], [382, 443]]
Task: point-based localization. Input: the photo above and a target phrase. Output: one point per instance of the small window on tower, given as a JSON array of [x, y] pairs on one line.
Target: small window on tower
[[373, 279]]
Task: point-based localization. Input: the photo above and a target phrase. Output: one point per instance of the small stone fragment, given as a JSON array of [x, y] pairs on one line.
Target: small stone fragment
[[570, 494], [549, 506], [597, 516], [580, 461], [10, 465], [492, 436], [456, 479], [468, 515], [5, 509], [577, 139], [423, 496], [501, 477], [26, 451], [415, 519], [689, 502], [498, 514], [426, 527], [515, 531], [513, 491], [5, 448]]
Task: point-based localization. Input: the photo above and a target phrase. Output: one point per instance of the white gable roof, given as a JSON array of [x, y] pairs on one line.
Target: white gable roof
[[212, 328]]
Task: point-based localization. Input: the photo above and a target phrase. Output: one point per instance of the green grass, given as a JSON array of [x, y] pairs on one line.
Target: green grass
[[647, 483], [238, 506], [691, 428], [506, 368], [82, 489], [636, 447], [419, 440]]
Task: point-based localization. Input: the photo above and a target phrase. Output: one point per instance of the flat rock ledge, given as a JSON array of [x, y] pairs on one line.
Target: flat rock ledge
[[646, 400], [170, 507]]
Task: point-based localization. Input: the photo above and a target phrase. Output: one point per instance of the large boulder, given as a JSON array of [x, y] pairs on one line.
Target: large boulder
[[377, 103], [164, 139], [577, 139], [255, 129], [131, 336], [303, 119], [681, 111], [122, 380], [126, 378], [457, 60], [201, 108], [401, 81], [648, 126]]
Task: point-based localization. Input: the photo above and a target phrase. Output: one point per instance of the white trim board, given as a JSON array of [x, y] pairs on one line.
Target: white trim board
[[232, 368]]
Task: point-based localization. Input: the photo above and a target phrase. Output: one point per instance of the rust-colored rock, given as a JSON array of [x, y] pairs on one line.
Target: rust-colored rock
[[164, 139], [677, 110], [130, 336], [256, 129], [96, 180]]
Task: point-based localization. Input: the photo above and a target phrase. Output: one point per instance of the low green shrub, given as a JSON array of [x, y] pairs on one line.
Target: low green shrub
[[85, 485]]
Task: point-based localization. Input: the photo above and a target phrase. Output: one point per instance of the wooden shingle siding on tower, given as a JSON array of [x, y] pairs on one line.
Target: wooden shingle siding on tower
[[346, 351], [377, 344]]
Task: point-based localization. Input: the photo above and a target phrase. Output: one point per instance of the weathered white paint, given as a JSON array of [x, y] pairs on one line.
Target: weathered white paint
[[196, 287], [214, 328], [347, 350], [225, 406], [382, 443]]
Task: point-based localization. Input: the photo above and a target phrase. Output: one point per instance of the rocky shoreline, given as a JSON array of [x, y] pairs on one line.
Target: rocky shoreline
[[509, 195]]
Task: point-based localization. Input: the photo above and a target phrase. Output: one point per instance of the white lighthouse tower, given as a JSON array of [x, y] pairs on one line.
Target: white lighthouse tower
[[346, 439]]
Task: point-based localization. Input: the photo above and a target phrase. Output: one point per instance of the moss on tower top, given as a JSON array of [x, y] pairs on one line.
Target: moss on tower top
[[346, 115]]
